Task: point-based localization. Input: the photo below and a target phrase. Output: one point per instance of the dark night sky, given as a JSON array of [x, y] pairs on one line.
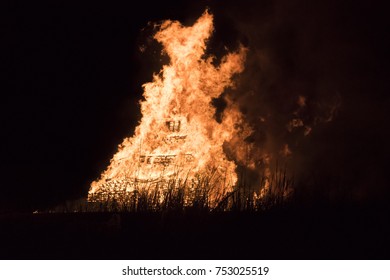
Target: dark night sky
[[74, 74]]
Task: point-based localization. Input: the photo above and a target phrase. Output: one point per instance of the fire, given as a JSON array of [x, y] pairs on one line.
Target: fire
[[178, 138]]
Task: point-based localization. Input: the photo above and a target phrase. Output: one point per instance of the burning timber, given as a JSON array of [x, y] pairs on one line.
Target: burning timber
[[177, 149], [124, 191]]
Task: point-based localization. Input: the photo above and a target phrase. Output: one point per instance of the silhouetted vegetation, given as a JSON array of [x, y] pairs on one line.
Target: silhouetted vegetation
[[200, 193], [284, 221]]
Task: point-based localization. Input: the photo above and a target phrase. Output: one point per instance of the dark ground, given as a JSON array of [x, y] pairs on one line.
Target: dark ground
[[321, 232]]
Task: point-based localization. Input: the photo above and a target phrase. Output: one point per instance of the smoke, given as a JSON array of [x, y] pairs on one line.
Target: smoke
[[306, 85], [285, 93]]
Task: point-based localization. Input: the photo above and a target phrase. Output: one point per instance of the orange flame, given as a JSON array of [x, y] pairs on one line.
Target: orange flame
[[178, 135]]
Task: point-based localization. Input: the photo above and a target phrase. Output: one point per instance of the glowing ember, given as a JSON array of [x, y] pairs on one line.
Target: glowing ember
[[178, 138]]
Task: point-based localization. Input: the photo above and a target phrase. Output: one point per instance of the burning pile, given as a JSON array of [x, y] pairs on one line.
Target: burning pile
[[178, 142]]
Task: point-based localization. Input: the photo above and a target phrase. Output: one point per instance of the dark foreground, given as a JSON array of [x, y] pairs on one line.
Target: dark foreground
[[285, 233]]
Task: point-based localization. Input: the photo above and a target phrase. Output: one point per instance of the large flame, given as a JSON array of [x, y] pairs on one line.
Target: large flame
[[178, 136]]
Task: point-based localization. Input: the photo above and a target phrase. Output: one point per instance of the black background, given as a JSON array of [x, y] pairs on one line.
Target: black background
[[73, 76]]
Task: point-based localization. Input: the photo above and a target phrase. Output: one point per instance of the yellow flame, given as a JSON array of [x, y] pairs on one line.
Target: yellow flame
[[178, 135]]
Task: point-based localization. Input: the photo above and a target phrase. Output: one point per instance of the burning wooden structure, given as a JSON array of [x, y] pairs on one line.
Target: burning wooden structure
[[178, 142]]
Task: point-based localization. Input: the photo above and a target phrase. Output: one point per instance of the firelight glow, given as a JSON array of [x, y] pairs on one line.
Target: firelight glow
[[178, 137]]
